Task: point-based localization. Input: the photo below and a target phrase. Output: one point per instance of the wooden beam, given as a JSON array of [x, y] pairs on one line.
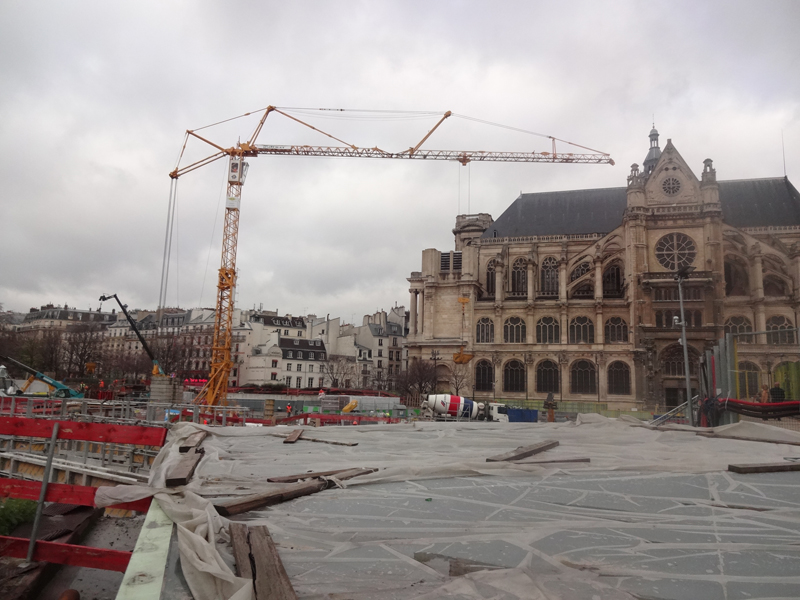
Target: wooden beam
[[710, 434], [301, 476], [309, 439], [193, 441], [293, 437], [241, 550], [66, 554], [88, 432], [144, 577], [553, 460], [765, 467], [271, 581], [350, 473], [524, 452], [63, 493], [255, 501], [181, 473]]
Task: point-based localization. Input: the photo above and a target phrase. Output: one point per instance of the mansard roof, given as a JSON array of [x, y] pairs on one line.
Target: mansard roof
[[745, 203]]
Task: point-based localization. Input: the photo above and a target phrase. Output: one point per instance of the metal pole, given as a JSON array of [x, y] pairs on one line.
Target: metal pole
[[685, 355], [43, 493]]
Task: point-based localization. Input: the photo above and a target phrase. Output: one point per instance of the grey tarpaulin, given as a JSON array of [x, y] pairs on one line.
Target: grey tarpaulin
[[654, 515]]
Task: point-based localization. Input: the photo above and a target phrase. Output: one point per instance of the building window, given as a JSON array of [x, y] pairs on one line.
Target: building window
[[285, 332], [749, 380], [380, 341], [391, 354], [310, 382], [310, 356], [671, 294], [514, 377], [380, 352], [737, 282], [619, 378], [780, 331], [514, 331], [774, 286], [299, 367], [288, 366], [519, 278], [484, 331], [548, 331], [672, 363], [299, 354], [665, 319], [584, 290], [297, 342], [299, 382], [582, 378], [675, 250], [310, 368], [289, 381], [274, 377], [612, 281], [547, 377], [394, 341], [549, 277], [579, 271], [581, 331], [380, 364], [490, 278], [740, 325], [484, 376], [274, 364], [390, 369], [616, 331], [300, 333]]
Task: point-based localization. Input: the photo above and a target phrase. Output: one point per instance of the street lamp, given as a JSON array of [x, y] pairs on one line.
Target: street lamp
[[682, 274]]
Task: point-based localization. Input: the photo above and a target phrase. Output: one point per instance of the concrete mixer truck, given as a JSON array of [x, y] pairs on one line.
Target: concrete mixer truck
[[444, 407]]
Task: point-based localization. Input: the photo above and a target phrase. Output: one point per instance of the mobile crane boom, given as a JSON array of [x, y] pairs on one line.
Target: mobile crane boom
[[157, 370], [61, 390], [216, 389]]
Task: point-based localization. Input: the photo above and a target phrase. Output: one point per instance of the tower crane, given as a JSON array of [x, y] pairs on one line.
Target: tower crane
[[216, 389]]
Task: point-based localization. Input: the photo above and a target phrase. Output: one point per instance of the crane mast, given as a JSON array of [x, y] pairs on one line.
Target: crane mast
[[215, 391]]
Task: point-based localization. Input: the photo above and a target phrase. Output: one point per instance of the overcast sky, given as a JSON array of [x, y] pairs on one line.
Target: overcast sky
[[96, 97]]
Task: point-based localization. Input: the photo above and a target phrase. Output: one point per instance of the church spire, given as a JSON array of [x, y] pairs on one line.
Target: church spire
[[653, 154]]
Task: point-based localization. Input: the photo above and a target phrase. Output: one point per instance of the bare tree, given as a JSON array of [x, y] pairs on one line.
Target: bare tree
[[418, 380], [83, 343], [339, 370], [459, 378]]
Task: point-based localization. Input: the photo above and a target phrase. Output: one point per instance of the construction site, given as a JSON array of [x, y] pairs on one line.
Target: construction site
[[244, 496]]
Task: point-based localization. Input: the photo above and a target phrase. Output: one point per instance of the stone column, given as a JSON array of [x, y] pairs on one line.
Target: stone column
[[413, 324], [421, 312], [562, 280], [761, 322], [598, 280], [599, 325], [564, 325], [757, 290], [431, 315], [530, 282]]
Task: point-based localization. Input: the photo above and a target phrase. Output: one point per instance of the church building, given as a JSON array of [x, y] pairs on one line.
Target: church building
[[573, 293]]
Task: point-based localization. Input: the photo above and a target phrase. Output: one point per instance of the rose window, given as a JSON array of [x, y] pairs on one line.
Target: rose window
[[675, 250], [671, 186]]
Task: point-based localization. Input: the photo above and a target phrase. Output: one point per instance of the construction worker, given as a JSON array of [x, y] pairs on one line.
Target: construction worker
[[288, 410]]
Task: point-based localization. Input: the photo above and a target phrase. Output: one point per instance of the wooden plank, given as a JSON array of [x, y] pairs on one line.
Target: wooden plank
[[271, 581], [553, 460], [144, 577], [63, 493], [181, 473], [350, 473], [66, 554], [90, 432], [765, 467], [301, 476], [241, 550], [193, 441], [710, 434], [310, 439], [524, 452], [293, 437], [255, 501]]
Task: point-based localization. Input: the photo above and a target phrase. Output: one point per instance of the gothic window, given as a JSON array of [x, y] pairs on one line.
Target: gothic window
[[548, 331], [514, 331], [616, 331], [619, 378], [749, 380], [490, 278], [672, 363], [579, 271], [675, 250], [665, 319], [519, 278], [780, 331], [612, 281], [549, 277], [484, 331], [581, 331], [547, 377], [514, 377], [774, 286], [484, 376], [740, 325], [737, 282], [582, 378], [671, 294], [584, 290]]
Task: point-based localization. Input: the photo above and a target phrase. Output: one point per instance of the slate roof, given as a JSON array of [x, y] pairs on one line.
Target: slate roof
[[745, 203]]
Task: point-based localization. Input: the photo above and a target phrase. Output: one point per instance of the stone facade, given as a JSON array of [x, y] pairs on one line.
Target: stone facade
[[573, 292]]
